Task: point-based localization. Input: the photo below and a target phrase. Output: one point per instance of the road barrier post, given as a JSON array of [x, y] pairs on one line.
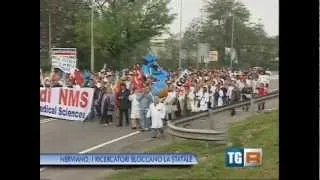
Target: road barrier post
[[211, 119], [252, 104]]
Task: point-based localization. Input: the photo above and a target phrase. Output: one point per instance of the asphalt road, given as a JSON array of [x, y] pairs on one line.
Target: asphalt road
[[75, 137]]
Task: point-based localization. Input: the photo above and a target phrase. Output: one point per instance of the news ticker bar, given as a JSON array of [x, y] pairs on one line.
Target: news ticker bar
[[119, 159]]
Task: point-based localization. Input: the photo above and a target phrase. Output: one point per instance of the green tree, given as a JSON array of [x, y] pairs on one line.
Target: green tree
[[253, 46], [123, 30], [169, 58]]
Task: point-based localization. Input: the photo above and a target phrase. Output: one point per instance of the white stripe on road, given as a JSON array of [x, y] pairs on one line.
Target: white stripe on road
[[104, 144], [47, 120], [109, 142]]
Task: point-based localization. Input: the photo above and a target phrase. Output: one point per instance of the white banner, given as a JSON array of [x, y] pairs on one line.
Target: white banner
[[213, 56], [66, 103], [64, 59], [182, 79]]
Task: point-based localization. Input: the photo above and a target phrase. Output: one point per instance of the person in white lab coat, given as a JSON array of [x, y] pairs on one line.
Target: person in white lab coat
[[190, 99], [220, 99], [229, 92], [170, 104], [135, 111], [204, 99], [157, 112], [197, 97]]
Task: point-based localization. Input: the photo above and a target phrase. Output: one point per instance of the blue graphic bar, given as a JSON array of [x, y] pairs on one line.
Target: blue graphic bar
[[119, 159]]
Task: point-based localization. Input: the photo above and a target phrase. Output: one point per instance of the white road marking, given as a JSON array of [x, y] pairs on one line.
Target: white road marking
[[103, 144], [47, 120], [109, 142]]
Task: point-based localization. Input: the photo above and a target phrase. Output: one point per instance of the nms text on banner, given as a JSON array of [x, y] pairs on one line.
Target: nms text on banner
[[66, 103]]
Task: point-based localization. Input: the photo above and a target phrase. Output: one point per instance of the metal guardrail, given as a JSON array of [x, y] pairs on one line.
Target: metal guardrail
[[207, 134]]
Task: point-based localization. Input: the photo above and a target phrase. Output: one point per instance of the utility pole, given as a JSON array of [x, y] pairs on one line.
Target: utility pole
[[92, 45], [50, 40], [180, 43], [232, 29]]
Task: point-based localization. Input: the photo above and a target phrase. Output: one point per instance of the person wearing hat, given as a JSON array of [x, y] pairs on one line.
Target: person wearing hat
[[156, 112]]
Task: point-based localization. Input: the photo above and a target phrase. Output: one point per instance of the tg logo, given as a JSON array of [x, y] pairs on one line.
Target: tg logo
[[243, 157]]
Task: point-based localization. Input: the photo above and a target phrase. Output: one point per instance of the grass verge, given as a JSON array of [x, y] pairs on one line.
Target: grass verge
[[259, 131]]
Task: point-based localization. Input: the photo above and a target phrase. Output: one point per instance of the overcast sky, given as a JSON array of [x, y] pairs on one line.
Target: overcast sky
[[266, 10]]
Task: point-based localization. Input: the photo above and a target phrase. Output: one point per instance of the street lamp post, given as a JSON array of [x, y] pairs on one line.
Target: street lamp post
[[50, 40], [232, 29], [92, 45], [180, 43]]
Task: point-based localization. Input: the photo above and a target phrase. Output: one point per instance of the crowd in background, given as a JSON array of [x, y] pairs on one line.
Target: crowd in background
[[117, 97]]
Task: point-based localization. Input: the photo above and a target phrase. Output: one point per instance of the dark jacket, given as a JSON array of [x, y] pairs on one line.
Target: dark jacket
[[124, 99], [97, 95], [235, 96], [107, 104]]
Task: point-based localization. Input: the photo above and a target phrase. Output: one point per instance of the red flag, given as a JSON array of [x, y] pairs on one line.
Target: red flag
[[77, 77], [138, 80]]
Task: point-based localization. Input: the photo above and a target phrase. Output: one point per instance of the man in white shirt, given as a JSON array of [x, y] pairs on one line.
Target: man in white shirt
[[229, 92]]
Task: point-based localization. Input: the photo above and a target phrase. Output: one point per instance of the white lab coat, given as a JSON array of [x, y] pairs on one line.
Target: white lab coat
[[265, 79], [229, 92], [135, 111], [197, 98], [169, 101], [254, 86], [190, 99], [213, 90], [220, 101], [204, 99], [241, 85], [157, 113]]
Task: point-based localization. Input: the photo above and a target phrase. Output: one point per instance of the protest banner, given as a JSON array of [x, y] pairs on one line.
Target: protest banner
[[66, 103], [64, 59], [212, 56], [182, 79]]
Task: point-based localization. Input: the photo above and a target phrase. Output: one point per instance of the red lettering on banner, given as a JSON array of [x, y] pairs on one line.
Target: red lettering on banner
[[45, 95], [84, 99], [73, 98], [63, 98]]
